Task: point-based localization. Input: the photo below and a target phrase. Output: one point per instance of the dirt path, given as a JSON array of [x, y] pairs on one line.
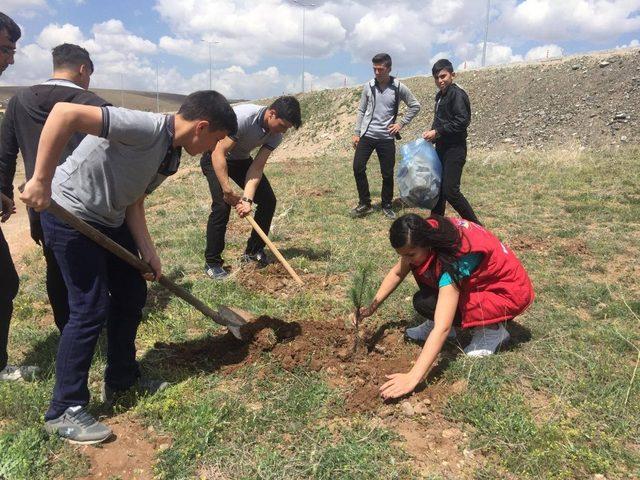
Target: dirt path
[[16, 231], [130, 454]]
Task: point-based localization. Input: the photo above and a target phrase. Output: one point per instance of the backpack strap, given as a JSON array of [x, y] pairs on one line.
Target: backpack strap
[[396, 105]]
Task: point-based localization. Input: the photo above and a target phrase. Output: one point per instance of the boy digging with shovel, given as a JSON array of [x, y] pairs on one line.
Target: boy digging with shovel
[[124, 157]]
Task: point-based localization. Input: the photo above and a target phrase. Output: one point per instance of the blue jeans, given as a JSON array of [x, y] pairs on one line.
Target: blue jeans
[[102, 290]]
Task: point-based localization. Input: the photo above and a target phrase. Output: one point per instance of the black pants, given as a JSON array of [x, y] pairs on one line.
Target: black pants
[[425, 300], [9, 282], [264, 198], [56, 289], [386, 150], [102, 290], [453, 158]]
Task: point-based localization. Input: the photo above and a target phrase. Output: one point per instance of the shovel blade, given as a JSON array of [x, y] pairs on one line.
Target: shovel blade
[[235, 320]]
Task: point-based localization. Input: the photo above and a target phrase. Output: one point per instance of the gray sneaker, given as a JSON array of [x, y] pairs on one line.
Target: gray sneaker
[[12, 373], [144, 386], [76, 425]]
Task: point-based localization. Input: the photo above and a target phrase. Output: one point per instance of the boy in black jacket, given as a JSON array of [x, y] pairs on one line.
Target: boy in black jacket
[[451, 118], [25, 116]]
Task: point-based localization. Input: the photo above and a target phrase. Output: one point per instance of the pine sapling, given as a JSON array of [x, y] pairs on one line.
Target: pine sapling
[[361, 293]]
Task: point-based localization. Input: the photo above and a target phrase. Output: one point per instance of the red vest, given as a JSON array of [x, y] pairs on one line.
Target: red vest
[[497, 290]]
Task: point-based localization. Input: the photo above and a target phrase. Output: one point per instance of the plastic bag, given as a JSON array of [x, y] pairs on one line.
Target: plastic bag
[[419, 174]]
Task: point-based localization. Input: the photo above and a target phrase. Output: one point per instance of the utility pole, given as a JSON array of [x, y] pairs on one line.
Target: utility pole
[[486, 35], [211, 43], [304, 9]]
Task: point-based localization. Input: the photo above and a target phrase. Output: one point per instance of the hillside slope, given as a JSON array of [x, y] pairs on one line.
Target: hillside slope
[[590, 101], [129, 98]]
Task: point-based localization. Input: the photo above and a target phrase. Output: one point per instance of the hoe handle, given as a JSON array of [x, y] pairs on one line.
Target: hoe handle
[[274, 249], [136, 262]]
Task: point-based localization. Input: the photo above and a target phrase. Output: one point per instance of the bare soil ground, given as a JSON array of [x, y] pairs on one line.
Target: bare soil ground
[[130, 454]]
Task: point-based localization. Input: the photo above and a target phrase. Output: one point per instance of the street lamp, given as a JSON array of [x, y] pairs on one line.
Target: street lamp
[[211, 43], [486, 35], [304, 9]]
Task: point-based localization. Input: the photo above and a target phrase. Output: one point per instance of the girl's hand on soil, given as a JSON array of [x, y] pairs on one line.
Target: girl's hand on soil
[[399, 384], [368, 311]]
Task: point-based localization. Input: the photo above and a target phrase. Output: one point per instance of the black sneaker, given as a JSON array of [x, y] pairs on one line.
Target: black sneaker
[[215, 271], [260, 257], [78, 426], [143, 386], [388, 212], [361, 210]]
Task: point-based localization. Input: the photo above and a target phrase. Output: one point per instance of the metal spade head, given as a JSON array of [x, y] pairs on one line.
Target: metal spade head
[[234, 321]]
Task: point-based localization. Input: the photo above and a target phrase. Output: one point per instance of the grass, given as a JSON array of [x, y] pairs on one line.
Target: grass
[[561, 405]]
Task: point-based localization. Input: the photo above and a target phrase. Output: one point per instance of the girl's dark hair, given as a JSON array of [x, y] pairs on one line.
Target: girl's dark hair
[[444, 239]]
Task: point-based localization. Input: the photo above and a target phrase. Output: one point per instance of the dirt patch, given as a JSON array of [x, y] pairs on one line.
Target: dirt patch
[[317, 346], [129, 454], [437, 446], [275, 280]]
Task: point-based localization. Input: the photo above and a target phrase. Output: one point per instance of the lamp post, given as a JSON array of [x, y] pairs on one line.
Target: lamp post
[[304, 9], [486, 35], [211, 43]]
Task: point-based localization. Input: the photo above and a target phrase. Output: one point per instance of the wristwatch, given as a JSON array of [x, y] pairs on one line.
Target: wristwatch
[[248, 200]]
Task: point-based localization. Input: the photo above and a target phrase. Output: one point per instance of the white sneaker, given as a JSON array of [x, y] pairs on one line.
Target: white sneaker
[[485, 341], [422, 331], [13, 373]]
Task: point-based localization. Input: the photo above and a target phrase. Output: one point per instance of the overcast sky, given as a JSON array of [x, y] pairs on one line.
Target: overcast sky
[[259, 53]]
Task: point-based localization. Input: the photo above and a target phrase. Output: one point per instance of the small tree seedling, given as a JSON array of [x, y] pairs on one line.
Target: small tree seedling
[[361, 294]]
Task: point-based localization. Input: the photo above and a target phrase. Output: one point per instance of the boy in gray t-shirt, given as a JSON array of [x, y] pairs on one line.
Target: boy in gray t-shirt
[[376, 129], [258, 126], [124, 157]]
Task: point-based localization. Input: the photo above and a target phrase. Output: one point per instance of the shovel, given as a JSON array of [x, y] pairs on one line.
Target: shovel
[[224, 316]]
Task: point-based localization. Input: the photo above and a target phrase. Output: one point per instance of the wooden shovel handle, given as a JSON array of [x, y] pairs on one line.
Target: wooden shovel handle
[[274, 249], [136, 262]]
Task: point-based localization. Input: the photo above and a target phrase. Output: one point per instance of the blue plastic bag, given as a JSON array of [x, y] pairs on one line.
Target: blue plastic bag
[[419, 174]]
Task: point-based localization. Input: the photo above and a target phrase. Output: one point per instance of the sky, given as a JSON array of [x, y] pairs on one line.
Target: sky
[[256, 45]]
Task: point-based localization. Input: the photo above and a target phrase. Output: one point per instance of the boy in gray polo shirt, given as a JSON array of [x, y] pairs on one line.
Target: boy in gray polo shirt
[[376, 128], [258, 126], [124, 157]]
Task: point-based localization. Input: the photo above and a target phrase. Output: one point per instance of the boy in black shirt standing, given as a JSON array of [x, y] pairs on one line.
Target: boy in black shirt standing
[[23, 122], [451, 118]]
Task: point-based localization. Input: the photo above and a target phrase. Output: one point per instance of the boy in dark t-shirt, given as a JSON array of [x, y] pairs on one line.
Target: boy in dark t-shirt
[[451, 119], [25, 116]]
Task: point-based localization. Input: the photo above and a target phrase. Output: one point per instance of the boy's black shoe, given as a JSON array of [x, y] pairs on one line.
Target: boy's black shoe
[[361, 210], [143, 386], [260, 257], [388, 212], [215, 271]]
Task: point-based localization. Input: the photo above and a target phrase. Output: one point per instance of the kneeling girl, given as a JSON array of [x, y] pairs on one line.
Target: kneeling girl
[[466, 277]]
